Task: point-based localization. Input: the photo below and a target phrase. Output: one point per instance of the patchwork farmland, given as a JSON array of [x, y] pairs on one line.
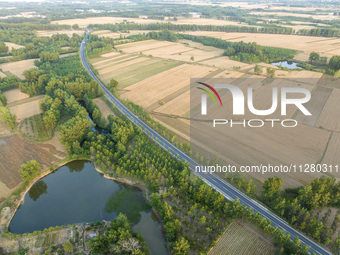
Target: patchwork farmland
[[156, 75]]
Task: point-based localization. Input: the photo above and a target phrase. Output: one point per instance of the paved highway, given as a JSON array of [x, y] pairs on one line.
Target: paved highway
[[218, 184]]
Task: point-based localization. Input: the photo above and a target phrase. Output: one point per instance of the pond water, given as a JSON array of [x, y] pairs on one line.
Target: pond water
[[288, 64], [77, 193]]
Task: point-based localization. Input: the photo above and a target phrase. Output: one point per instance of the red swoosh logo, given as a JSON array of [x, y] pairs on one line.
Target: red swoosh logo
[[213, 90]]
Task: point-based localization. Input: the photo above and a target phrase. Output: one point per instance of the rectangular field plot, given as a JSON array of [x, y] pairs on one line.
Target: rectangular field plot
[[18, 68], [332, 156], [13, 95], [159, 86], [183, 53], [224, 62], [133, 70], [137, 47], [241, 239], [330, 115], [26, 108], [319, 98]]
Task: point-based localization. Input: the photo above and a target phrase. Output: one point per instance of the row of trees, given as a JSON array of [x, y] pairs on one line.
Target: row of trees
[[268, 29], [8, 117]]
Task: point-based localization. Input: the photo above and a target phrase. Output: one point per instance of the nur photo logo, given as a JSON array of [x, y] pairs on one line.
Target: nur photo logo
[[240, 101]]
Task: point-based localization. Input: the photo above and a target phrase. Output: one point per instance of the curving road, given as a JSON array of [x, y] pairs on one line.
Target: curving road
[[226, 189]]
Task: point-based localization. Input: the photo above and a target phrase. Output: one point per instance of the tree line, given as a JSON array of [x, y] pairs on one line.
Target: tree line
[[268, 29]]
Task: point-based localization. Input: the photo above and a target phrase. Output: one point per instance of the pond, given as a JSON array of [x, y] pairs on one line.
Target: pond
[[76, 193], [288, 64]]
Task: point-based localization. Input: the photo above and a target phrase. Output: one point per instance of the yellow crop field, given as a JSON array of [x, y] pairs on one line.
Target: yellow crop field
[[128, 69], [103, 107], [333, 152], [14, 95], [224, 62], [137, 47], [171, 50], [18, 68], [324, 46], [157, 87], [330, 115], [26, 108]]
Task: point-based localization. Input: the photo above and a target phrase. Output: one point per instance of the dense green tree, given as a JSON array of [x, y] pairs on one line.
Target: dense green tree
[[29, 170], [258, 69], [270, 72], [67, 246], [8, 117], [314, 57], [181, 247], [3, 48]]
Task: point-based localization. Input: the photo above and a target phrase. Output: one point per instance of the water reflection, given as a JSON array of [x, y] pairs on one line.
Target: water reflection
[[128, 202], [37, 190]]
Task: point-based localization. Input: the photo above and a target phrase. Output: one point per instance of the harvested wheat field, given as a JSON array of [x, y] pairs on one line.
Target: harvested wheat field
[[103, 107], [15, 151], [330, 115], [137, 47], [171, 50], [26, 108], [114, 67], [15, 95], [129, 69], [332, 156], [49, 33], [224, 62], [240, 238], [159, 86], [18, 68], [179, 105], [325, 46], [13, 46], [240, 146]]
